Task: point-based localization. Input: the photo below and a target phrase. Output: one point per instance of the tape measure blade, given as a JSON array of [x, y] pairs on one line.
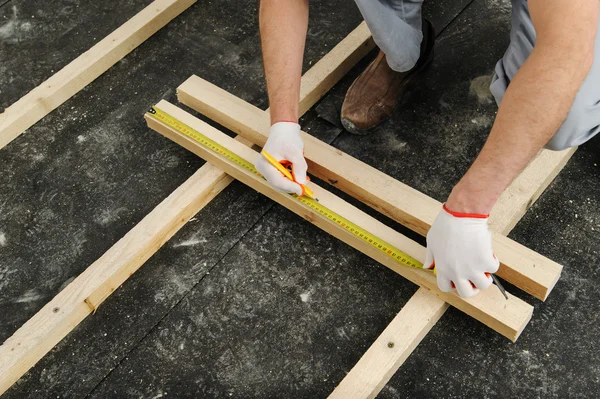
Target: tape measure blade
[[375, 242]]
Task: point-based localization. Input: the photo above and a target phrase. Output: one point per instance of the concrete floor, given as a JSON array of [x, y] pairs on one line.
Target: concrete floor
[[220, 310]]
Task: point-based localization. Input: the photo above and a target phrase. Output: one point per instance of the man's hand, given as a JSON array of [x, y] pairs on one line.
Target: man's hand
[[459, 246], [284, 144], [533, 108]]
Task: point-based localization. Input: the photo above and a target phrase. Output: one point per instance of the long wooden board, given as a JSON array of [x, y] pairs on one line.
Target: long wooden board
[[524, 268], [392, 347], [88, 66], [357, 44], [526, 189], [83, 295], [334, 65], [508, 317], [80, 298], [418, 316]]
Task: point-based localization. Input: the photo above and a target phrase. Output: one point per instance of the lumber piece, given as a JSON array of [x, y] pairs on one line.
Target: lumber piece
[[329, 70], [524, 268], [80, 298], [84, 294], [392, 347], [508, 317], [526, 189], [88, 66], [379, 363]]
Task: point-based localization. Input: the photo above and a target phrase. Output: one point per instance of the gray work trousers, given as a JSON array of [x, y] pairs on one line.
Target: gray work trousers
[[396, 29]]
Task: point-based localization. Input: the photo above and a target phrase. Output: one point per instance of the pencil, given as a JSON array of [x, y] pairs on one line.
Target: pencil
[[305, 190]]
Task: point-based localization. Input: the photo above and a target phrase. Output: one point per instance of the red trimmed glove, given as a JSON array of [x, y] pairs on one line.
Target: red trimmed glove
[[284, 144], [459, 246]]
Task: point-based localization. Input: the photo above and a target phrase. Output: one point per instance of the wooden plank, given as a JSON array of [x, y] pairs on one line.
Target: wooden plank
[[80, 298], [524, 268], [421, 312], [508, 317], [526, 189], [379, 363], [88, 66], [392, 347], [335, 64], [84, 294]]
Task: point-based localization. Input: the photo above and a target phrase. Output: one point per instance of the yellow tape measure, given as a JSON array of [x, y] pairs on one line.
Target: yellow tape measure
[[374, 241]]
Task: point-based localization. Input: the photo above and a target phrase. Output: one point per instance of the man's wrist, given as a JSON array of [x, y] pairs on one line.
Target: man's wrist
[[283, 112], [466, 200]]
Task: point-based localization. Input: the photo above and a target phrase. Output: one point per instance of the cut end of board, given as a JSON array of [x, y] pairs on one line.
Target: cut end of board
[[535, 274]]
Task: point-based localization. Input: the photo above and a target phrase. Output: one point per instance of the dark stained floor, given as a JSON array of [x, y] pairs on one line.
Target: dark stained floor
[[222, 310]]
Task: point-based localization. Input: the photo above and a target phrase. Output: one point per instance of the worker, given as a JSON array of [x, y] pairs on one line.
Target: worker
[[547, 86]]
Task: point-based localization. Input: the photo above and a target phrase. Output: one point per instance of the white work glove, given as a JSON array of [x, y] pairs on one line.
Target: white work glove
[[459, 246], [284, 144]]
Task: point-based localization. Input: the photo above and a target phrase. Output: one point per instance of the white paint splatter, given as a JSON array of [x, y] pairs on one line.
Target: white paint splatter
[[81, 138], [341, 333], [29, 296], [394, 142], [8, 29], [393, 390], [108, 216], [191, 242], [305, 297], [13, 30], [482, 121], [2, 239], [160, 297]]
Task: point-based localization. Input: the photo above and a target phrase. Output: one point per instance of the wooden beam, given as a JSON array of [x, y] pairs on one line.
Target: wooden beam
[[335, 64], [82, 296], [508, 210], [418, 316], [392, 347], [508, 317], [88, 66], [524, 268], [526, 189]]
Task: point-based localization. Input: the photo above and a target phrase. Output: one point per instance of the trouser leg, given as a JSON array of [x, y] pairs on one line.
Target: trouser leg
[[396, 29], [583, 121]]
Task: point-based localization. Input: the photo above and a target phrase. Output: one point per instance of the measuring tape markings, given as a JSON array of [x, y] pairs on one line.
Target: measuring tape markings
[[381, 245]]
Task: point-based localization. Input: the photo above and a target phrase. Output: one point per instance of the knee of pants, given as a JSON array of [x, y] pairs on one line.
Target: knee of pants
[[580, 125]]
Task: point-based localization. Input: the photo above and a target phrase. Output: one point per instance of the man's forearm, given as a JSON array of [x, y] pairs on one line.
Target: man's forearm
[[532, 110], [283, 26]]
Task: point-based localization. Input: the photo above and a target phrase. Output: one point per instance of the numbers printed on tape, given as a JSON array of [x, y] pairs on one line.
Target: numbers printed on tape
[[374, 241], [201, 139]]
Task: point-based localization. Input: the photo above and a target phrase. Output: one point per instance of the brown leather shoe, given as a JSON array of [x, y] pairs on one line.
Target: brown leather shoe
[[377, 91]]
